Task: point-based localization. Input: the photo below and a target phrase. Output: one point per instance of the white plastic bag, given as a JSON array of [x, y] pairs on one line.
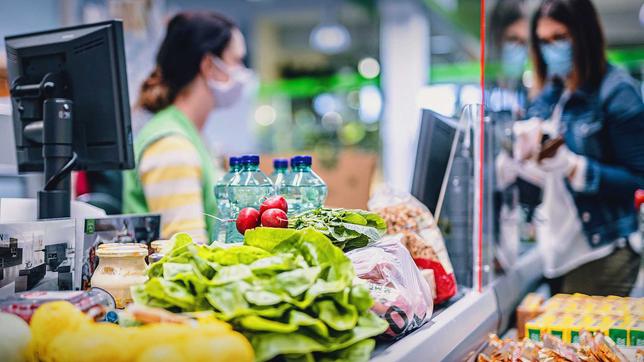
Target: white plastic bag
[[407, 216], [402, 297], [559, 231]]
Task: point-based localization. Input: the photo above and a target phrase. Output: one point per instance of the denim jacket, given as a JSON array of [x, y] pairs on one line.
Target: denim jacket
[[605, 125]]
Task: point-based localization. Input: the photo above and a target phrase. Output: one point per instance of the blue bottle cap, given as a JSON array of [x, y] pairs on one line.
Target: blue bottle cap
[[280, 163], [301, 161], [234, 161], [112, 317], [250, 160]]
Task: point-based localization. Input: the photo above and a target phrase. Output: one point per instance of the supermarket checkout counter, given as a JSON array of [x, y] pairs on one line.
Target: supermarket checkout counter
[[458, 331]]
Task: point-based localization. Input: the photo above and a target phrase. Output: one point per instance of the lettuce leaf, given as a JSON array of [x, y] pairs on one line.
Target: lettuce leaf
[[340, 318]]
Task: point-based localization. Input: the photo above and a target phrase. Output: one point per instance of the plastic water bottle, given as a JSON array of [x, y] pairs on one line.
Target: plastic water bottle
[[221, 195], [280, 171], [303, 189], [252, 188]]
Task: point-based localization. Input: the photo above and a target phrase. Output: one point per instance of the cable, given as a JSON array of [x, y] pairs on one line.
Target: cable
[[61, 173]]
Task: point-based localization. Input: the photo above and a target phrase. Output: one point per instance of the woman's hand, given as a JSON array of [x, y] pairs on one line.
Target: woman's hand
[[527, 136], [568, 164]]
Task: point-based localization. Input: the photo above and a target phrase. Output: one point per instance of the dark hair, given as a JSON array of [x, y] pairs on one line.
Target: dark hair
[[504, 14], [190, 36], [582, 21]]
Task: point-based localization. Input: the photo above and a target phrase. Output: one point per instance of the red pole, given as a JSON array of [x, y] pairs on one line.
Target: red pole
[[481, 148]]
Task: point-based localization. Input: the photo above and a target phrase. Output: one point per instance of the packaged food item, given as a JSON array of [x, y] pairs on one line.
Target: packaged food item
[[556, 349], [407, 216], [560, 327], [120, 267], [598, 347], [591, 348], [159, 249], [529, 308], [401, 295], [636, 333], [618, 332], [612, 316], [539, 326], [94, 302]]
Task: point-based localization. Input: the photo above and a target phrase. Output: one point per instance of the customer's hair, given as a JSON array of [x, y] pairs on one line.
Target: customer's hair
[[504, 14], [189, 37], [582, 21]]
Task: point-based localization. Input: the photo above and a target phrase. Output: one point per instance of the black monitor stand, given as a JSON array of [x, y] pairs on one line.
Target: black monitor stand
[[54, 132]]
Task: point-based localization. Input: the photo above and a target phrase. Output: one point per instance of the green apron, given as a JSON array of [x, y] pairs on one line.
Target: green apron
[[170, 121]]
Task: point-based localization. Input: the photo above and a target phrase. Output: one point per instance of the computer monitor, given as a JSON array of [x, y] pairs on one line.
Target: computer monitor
[[437, 143], [70, 106]]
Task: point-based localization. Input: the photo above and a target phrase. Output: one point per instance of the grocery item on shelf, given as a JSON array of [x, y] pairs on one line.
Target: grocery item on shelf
[[290, 292], [60, 332], [120, 267], [159, 248], [94, 302], [347, 229], [595, 347], [224, 212], [407, 216], [279, 174], [566, 315], [530, 307], [249, 190], [304, 189], [401, 294]]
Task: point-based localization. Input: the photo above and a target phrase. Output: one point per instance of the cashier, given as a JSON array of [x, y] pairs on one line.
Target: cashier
[[587, 225], [198, 68]]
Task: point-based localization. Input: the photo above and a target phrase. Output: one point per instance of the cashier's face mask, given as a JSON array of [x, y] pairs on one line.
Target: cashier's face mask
[[513, 58], [558, 58], [229, 92]]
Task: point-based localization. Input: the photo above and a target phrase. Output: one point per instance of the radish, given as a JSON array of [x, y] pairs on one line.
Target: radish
[[248, 219], [274, 202], [275, 218]]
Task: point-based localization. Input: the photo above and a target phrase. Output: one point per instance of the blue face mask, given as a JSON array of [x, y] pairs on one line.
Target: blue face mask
[[558, 58], [513, 59]]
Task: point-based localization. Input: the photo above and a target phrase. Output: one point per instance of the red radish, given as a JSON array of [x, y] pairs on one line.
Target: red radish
[[274, 202], [248, 219], [274, 218]]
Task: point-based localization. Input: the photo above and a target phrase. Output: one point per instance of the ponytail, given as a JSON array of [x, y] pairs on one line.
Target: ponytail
[[154, 94]]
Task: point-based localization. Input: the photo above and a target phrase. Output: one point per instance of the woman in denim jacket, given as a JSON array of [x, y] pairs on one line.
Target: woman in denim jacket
[[597, 110]]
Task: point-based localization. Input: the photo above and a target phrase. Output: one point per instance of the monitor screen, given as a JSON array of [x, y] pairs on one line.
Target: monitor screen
[[89, 62], [435, 145]]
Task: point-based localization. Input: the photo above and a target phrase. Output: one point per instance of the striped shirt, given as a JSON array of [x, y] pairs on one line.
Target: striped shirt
[[170, 173]]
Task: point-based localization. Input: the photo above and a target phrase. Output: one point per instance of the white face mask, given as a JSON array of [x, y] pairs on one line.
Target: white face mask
[[229, 92]]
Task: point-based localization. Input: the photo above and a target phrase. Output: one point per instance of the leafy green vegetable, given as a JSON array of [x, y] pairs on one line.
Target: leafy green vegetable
[[347, 229], [360, 351], [340, 319], [291, 292]]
